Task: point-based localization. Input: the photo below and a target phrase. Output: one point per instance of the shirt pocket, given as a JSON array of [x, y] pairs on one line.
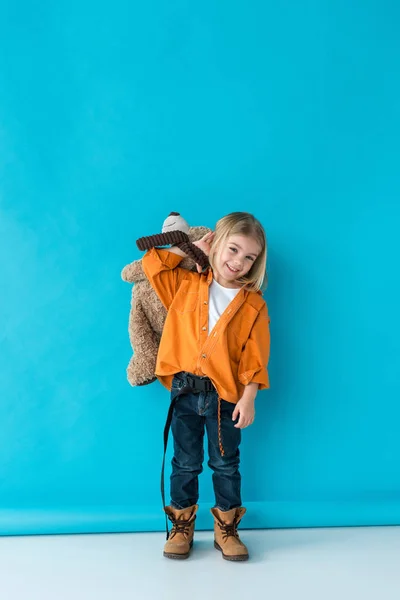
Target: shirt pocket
[[238, 332], [243, 325], [242, 330], [186, 299]]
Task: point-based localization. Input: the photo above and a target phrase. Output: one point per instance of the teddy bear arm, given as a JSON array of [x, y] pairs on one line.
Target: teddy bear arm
[[133, 272]]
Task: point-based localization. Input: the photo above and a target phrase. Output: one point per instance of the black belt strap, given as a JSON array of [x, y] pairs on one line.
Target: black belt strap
[[167, 427], [166, 431], [195, 385]]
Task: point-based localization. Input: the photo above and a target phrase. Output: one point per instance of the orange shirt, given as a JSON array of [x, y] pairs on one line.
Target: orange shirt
[[236, 351]]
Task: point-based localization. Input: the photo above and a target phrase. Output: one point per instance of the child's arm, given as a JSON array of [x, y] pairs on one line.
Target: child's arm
[[253, 372], [178, 251], [204, 244], [255, 356], [245, 407], [161, 269]]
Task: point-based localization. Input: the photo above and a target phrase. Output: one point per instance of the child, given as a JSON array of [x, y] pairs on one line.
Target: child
[[213, 357]]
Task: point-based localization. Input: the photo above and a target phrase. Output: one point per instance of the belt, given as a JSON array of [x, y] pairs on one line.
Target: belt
[[198, 383]]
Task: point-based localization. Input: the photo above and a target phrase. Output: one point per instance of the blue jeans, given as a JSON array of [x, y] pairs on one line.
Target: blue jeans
[[193, 413]]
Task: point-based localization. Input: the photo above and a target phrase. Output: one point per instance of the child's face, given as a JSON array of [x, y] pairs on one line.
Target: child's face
[[234, 259]]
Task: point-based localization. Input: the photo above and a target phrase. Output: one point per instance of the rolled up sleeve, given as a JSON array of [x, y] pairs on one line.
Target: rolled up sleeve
[[160, 268], [253, 366]]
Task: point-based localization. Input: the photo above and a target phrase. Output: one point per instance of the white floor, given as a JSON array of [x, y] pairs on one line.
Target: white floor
[[314, 564]]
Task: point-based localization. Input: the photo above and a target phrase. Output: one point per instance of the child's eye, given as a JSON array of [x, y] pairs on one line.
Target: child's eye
[[233, 249], [250, 258]]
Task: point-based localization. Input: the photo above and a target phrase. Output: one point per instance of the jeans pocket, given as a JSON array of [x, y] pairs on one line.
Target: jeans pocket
[[231, 435], [177, 382]]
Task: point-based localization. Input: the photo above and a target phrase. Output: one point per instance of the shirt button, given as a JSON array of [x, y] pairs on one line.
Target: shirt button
[[204, 356], [205, 302], [204, 328]]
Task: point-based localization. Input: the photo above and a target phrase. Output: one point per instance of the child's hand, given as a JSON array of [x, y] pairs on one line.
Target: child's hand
[[204, 244], [244, 408]]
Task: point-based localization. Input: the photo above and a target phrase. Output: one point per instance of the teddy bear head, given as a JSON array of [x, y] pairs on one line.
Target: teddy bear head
[[133, 273]]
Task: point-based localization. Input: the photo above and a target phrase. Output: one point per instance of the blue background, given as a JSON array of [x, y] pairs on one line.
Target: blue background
[[112, 114]]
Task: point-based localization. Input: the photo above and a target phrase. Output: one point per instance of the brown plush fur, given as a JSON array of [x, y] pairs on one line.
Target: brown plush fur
[[147, 317]]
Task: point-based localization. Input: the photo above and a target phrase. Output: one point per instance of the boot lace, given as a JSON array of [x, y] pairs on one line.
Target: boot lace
[[180, 526], [228, 530]]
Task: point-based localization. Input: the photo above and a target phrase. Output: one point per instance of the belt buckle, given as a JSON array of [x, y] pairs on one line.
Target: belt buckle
[[191, 381], [203, 385], [199, 383], [207, 384]]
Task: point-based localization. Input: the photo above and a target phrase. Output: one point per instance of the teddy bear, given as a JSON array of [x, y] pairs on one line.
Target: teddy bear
[[147, 314]]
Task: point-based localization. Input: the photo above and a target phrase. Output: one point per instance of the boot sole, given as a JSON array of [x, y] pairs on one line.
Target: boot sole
[[177, 556], [234, 558]]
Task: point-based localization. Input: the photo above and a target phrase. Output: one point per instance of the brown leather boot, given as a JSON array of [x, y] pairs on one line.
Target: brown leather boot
[[226, 537], [180, 539]]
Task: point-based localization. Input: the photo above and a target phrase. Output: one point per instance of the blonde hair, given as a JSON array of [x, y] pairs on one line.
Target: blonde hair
[[242, 223]]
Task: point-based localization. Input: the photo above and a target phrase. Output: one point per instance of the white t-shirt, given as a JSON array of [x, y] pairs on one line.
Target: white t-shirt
[[218, 300]]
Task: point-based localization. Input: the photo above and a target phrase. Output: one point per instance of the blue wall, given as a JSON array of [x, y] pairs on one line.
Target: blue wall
[[112, 114]]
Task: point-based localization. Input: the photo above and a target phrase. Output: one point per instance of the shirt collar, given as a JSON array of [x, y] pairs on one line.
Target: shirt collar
[[244, 293]]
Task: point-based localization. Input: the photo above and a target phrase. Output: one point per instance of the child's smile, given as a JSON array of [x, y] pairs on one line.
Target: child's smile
[[235, 259]]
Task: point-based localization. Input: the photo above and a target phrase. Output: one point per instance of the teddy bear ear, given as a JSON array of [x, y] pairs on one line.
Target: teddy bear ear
[[197, 232], [175, 222]]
